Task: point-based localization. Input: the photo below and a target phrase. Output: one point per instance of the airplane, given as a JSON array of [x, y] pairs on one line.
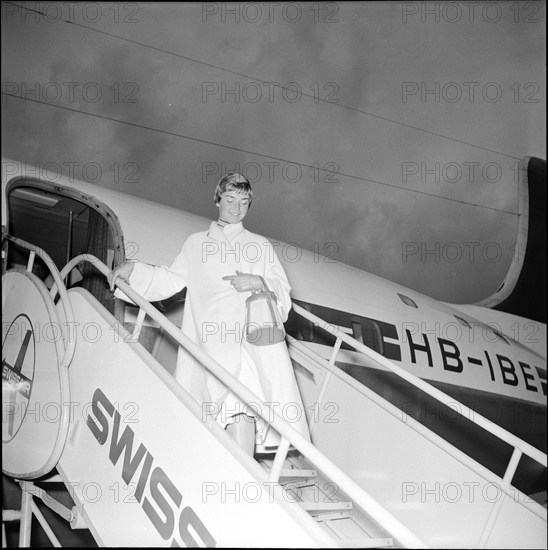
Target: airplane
[[428, 419]]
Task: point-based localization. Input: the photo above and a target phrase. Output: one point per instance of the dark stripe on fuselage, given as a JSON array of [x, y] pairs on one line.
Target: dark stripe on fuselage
[[371, 332]]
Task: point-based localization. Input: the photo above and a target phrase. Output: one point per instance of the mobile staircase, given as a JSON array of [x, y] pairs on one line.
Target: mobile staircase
[[145, 467]]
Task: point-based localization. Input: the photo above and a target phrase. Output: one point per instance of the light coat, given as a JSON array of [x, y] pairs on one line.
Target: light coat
[[214, 318]]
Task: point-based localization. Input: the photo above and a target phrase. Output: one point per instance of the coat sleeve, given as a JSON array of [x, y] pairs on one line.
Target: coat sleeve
[[154, 282], [276, 279]]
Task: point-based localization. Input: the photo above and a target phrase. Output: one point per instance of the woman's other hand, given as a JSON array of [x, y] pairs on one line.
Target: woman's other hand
[[244, 282]]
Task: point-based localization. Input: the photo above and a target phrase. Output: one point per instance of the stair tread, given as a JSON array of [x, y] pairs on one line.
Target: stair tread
[[326, 506], [291, 474]]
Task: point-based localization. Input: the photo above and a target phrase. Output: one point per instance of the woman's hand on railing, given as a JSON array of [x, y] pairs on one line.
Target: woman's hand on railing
[[123, 271]]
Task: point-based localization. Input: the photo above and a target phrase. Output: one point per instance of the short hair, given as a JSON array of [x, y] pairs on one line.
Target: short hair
[[235, 181]]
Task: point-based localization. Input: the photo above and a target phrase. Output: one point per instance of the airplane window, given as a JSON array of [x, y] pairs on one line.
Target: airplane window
[[357, 331], [299, 327], [407, 301], [369, 333]]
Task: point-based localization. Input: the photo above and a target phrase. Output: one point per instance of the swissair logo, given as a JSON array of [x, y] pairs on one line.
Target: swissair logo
[[18, 363]]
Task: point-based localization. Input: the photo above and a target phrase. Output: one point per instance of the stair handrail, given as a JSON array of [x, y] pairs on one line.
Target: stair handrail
[[355, 492], [70, 343]]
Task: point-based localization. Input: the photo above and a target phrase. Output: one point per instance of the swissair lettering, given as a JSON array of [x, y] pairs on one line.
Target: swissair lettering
[[162, 494]]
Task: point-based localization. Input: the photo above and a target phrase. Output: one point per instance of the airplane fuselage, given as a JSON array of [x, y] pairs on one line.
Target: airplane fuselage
[[484, 364]]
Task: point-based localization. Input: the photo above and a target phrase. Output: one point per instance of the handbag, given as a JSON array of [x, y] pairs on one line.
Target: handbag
[[264, 326]]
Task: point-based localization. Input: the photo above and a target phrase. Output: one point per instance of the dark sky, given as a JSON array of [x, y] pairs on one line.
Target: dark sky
[[380, 132]]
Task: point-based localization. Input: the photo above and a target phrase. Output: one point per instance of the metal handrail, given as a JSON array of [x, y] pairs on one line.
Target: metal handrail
[[496, 430], [70, 343], [519, 446], [333, 371], [356, 493]]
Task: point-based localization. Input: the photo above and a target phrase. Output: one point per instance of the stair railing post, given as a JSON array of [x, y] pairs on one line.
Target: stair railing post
[[26, 519], [279, 460]]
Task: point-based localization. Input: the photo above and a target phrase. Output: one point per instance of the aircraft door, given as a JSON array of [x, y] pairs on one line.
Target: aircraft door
[[35, 384]]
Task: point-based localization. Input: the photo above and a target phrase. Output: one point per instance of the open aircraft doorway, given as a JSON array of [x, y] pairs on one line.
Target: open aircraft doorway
[[64, 224]]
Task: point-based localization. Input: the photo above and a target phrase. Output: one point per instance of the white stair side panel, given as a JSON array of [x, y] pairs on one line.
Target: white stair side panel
[[525, 531], [432, 492], [196, 483]]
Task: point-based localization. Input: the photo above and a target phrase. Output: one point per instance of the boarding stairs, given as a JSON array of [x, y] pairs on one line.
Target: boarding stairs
[[316, 493], [328, 506]]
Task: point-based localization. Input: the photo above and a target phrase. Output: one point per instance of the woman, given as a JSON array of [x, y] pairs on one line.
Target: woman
[[220, 267]]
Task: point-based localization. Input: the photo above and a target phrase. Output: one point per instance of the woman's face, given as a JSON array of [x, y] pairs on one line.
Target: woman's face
[[233, 206]]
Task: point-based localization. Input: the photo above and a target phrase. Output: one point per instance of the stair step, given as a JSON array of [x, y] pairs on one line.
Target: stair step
[[294, 474], [307, 487], [326, 517], [317, 508]]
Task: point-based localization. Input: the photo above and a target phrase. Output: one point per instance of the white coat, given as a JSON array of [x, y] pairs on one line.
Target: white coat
[[214, 318]]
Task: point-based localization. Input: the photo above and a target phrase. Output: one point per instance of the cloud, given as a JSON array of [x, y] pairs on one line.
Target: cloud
[[362, 60]]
